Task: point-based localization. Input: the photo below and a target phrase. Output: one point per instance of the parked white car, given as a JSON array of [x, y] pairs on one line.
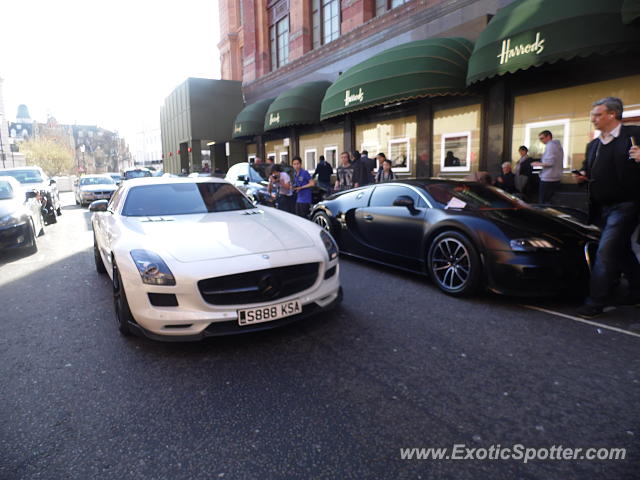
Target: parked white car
[[193, 257]]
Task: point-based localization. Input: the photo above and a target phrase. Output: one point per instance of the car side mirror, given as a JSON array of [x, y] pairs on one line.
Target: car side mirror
[[405, 201], [31, 194], [52, 181], [98, 206]]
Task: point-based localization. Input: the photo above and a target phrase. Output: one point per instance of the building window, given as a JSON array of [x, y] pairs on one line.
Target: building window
[[325, 21], [383, 5], [279, 39]]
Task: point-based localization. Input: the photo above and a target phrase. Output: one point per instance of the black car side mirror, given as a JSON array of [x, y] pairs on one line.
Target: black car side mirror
[[98, 206], [31, 194], [52, 181], [405, 201]]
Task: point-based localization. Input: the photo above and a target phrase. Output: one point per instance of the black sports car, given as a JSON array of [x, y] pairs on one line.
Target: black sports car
[[464, 235]]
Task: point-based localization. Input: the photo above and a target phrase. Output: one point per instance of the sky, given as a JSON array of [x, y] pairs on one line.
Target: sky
[[108, 63]]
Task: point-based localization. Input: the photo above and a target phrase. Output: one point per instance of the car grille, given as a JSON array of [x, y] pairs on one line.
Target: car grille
[[108, 192], [260, 285]]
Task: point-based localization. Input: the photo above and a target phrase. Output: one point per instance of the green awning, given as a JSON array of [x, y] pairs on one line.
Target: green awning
[[426, 68], [298, 106], [631, 11], [250, 121], [529, 33]]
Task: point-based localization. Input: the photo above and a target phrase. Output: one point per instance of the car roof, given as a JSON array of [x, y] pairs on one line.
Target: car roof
[[137, 168], [100, 175], [14, 183], [26, 167], [134, 182]]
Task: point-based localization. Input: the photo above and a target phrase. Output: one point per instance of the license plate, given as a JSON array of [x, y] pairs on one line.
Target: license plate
[[249, 316]]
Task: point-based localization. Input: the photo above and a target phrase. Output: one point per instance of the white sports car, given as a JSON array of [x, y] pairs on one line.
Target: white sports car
[[192, 257]]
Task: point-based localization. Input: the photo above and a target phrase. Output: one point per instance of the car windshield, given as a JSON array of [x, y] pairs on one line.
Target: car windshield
[[472, 196], [24, 176], [258, 172], [183, 199], [136, 174], [97, 181], [5, 190], [116, 178]]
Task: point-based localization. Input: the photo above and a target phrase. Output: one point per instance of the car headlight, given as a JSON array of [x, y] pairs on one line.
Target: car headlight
[[330, 244], [9, 220], [152, 268], [531, 244]]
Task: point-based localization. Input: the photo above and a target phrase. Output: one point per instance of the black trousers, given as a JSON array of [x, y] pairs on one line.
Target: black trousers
[[614, 255], [286, 203], [547, 189], [302, 209]]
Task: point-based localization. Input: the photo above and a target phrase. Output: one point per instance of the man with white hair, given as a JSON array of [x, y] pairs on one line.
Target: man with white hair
[[507, 180]]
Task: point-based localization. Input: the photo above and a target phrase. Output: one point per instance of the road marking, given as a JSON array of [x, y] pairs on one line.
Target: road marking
[[583, 320]]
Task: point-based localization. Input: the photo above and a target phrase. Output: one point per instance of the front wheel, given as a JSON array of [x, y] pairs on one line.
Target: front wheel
[[120, 303], [100, 268], [322, 219], [32, 245], [454, 264]]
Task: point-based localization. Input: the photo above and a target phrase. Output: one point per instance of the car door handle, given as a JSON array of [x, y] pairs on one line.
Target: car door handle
[[368, 218]]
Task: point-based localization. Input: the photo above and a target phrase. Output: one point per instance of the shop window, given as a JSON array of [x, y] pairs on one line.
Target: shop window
[[396, 138], [310, 158], [455, 152], [251, 158], [331, 156], [284, 158], [272, 156], [566, 113], [325, 18], [399, 153], [456, 130]]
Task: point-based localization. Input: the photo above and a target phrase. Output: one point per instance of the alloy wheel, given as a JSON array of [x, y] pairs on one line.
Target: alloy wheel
[[451, 264]]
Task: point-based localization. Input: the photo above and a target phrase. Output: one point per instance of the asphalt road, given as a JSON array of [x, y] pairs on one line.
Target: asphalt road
[[399, 365]]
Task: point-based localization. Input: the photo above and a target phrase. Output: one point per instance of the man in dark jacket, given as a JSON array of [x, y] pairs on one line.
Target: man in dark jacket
[[324, 170], [361, 175], [613, 178], [507, 180]]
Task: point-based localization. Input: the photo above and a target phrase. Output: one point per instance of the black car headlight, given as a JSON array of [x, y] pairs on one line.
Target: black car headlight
[[330, 244], [152, 268], [531, 245], [9, 220]]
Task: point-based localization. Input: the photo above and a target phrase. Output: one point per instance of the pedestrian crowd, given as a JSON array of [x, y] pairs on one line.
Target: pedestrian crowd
[[293, 190]]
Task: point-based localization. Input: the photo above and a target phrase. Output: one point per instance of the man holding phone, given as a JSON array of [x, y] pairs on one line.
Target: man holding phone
[[280, 187], [612, 172]]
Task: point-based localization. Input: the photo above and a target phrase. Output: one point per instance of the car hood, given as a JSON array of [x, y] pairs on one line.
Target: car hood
[[210, 236], [536, 223], [98, 188], [8, 206]]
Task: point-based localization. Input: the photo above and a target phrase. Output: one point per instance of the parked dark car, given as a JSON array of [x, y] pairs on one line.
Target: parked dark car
[[21, 218], [464, 235], [34, 178]]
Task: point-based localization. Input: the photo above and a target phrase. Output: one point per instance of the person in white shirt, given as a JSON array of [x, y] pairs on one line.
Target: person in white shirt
[[551, 163]]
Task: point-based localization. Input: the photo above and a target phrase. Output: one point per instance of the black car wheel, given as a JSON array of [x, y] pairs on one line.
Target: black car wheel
[[100, 268], [31, 244], [123, 313], [454, 264], [322, 219]]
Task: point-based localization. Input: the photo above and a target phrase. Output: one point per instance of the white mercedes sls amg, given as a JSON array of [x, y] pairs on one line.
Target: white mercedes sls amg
[[193, 257]]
